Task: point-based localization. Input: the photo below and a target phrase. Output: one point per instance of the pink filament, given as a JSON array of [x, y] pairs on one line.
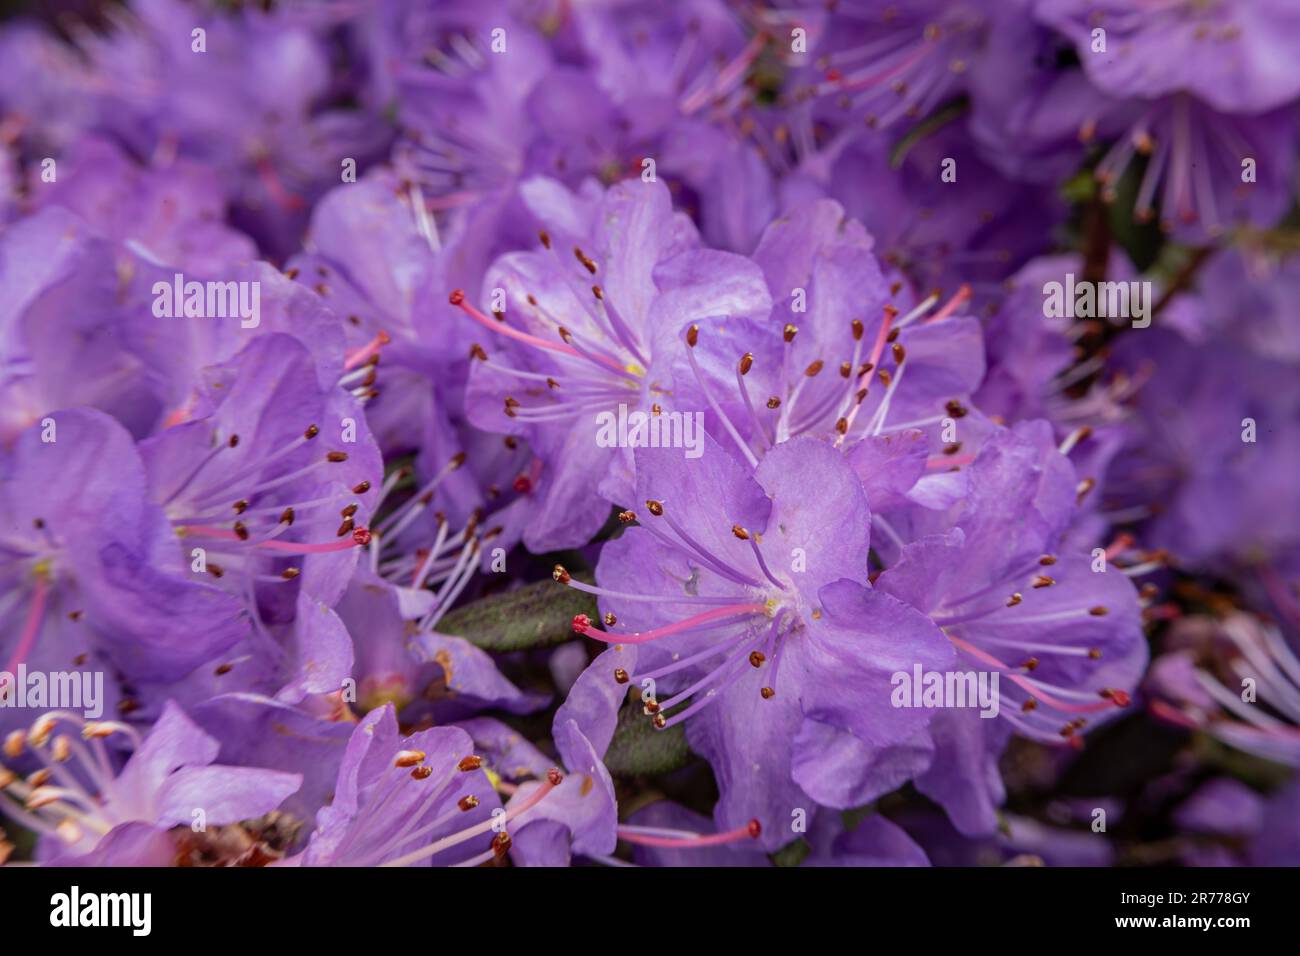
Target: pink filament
[[359, 537], [934, 463], [359, 356], [32, 627], [1028, 686], [949, 307], [685, 624], [458, 299], [690, 840], [290, 202]]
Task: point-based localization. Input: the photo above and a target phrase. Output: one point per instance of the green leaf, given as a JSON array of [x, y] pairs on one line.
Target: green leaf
[[1141, 240], [792, 854], [638, 749], [1080, 188], [535, 615], [940, 118], [856, 815]]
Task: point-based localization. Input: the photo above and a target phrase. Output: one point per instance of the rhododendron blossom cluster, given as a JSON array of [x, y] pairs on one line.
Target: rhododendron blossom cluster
[[725, 432]]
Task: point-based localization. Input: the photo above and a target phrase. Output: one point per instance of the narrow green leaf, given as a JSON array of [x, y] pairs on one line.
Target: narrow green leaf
[[792, 854], [639, 749], [940, 118], [535, 615]]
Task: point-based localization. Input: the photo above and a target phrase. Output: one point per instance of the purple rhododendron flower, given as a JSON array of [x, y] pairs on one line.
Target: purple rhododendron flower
[[89, 814], [91, 569], [724, 433], [1231, 54], [598, 311], [407, 801], [763, 656], [1066, 640]]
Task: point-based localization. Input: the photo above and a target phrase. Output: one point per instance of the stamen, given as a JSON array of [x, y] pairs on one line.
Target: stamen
[[683, 839], [32, 626], [692, 336], [686, 624], [553, 779], [359, 538], [366, 352], [627, 596], [457, 298]]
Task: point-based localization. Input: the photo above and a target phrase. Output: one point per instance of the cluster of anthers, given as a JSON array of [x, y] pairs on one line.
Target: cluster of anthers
[[601, 367], [1266, 722], [834, 411], [1006, 634], [71, 798], [375, 848], [260, 525]]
